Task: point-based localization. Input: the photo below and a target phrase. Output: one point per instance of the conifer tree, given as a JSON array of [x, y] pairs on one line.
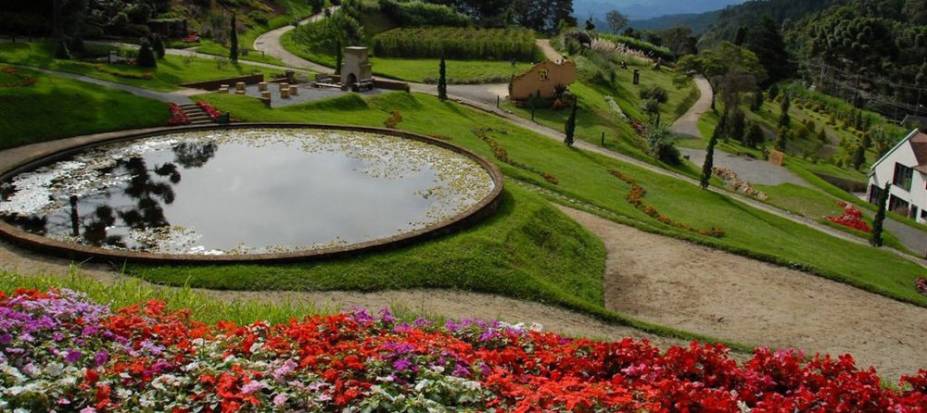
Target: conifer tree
[[233, 41], [146, 57], [879, 219], [570, 127], [709, 165], [784, 118], [442, 79]]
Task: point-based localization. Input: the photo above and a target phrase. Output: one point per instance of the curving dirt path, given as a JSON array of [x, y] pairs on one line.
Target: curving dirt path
[[683, 285], [549, 52], [688, 123]]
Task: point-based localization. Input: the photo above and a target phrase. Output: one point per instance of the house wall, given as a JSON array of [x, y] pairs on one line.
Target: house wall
[[543, 77], [884, 172]]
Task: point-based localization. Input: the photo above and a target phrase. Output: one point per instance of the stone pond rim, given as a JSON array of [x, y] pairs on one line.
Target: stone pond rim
[[482, 209]]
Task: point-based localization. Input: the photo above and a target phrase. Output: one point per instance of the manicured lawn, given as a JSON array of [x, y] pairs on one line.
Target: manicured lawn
[[422, 70], [56, 107], [172, 71], [584, 177], [212, 48]]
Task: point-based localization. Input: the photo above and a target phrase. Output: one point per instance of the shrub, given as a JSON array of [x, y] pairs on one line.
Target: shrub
[[656, 93], [146, 56], [650, 49], [393, 120], [456, 43]]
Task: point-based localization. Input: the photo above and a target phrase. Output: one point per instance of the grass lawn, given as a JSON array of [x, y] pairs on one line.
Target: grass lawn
[[421, 70], [210, 47], [56, 107], [172, 71], [581, 176]]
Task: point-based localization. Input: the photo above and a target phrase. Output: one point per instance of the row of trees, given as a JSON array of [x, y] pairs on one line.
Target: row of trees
[[547, 16], [457, 42]]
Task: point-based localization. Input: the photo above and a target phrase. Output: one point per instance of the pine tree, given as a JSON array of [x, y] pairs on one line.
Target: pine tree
[[859, 157], [785, 119], [879, 219], [233, 41], [146, 57], [570, 127], [442, 79], [709, 165], [158, 46], [782, 139], [754, 136]]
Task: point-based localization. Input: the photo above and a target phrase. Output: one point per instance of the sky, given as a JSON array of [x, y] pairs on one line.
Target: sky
[[644, 9]]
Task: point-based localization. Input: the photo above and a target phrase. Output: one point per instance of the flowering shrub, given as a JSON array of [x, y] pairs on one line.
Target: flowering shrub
[[635, 197], [177, 116], [921, 285], [10, 77], [59, 352], [213, 113], [851, 218]]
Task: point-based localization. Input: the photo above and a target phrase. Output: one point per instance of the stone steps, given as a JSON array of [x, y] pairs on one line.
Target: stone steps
[[196, 115]]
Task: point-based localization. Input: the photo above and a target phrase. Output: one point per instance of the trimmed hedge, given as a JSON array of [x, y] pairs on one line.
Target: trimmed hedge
[[456, 43], [417, 13], [648, 48]]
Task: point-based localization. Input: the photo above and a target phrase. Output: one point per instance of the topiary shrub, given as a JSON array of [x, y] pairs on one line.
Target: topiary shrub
[[146, 56]]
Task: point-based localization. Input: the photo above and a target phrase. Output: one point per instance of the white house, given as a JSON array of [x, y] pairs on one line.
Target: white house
[[905, 167]]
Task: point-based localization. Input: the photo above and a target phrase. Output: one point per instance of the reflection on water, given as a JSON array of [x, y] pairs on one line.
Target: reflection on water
[[244, 192]]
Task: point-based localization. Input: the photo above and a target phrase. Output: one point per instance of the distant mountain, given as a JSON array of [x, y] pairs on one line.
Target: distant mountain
[[698, 22], [646, 9]]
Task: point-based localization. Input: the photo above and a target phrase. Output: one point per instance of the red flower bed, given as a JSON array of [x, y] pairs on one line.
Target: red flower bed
[[213, 113], [59, 351], [177, 116], [851, 218]]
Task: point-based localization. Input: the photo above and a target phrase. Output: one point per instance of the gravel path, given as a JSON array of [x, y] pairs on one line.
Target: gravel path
[[688, 123], [751, 170], [269, 43], [675, 283], [180, 97], [549, 52]]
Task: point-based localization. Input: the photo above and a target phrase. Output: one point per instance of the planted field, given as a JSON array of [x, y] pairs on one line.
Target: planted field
[[456, 43]]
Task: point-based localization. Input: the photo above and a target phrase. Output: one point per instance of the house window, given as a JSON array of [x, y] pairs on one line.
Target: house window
[[898, 205], [545, 75], [903, 177]]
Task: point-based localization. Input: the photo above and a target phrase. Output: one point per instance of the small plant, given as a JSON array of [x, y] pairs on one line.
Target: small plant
[[851, 218], [146, 56], [393, 120]]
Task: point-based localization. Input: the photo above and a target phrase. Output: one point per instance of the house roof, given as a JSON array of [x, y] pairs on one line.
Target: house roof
[[919, 144], [917, 140]]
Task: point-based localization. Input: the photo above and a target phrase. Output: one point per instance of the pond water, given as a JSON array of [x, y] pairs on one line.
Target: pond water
[[245, 191]]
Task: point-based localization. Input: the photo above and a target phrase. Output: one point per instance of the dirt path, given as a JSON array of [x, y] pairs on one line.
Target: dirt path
[[679, 284], [549, 52], [688, 123]]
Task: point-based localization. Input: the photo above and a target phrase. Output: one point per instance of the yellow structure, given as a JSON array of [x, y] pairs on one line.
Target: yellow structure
[[543, 78]]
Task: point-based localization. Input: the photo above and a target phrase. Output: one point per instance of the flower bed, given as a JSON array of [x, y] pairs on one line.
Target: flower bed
[[851, 218], [734, 183], [178, 118], [60, 352], [213, 113], [636, 196]]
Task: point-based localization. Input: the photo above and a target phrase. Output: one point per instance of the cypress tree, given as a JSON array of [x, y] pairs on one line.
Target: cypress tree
[[233, 40], [146, 57], [859, 157], [738, 125], [782, 140], [338, 57], [570, 127], [709, 165], [754, 136], [442, 79], [721, 129], [877, 222], [158, 46], [784, 119]]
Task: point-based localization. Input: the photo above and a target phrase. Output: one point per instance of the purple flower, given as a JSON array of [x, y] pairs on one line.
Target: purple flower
[[281, 372], [362, 316], [461, 371], [402, 364], [386, 316], [73, 356], [101, 357], [280, 400], [251, 387], [5, 338]]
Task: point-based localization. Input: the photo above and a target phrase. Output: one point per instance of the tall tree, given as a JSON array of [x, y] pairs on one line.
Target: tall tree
[[590, 25], [709, 165], [784, 118], [442, 79], [765, 40], [859, 156], [754, 136], [233, 40], [570, 127], [879, 219], [616, 21]]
